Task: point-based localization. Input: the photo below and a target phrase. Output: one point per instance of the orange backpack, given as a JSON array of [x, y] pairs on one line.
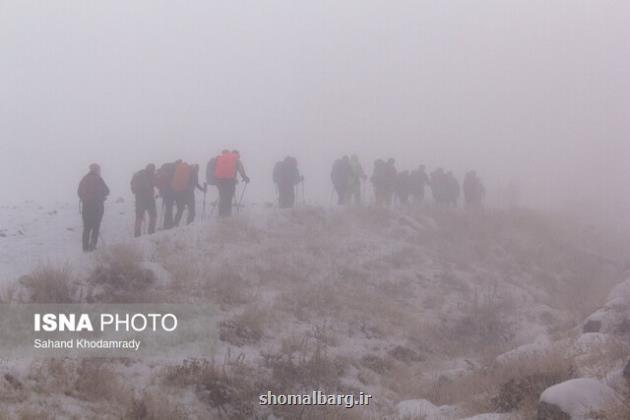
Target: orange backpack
[[226, 166], [181, 179]]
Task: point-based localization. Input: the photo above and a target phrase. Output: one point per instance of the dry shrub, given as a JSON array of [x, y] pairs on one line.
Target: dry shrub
[[155, 404], [486, 322], [12, 390], [306, 301], [228, 288], [35, 413], [9, 293], [231, 389], [620, 409], [246, 328], [324, 333], [302, 366], [54, 375], [512, 386], [119, 277], [602, 358], [96, 380], [48, 284]]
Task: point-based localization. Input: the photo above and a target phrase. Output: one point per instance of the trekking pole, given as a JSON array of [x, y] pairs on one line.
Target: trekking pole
[[238, 208], [205, 189]]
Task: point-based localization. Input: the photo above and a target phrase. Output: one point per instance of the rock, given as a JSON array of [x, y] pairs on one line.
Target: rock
[[551, 412], [592, 326], [574, 399]]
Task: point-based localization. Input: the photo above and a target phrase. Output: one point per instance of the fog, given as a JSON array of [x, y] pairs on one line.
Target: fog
[[533, 92]]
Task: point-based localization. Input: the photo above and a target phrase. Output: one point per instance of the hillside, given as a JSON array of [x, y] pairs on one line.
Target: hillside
[[439, 314]]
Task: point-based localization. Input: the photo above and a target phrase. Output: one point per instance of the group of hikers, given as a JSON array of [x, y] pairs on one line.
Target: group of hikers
[[176, 183], [349, 178]]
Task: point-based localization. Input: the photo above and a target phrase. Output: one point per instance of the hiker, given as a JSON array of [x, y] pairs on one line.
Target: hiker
[[419, 179], [92, 192], [190, 193], [143, 185], [390, 180], [474, 190], [226, 168], [438, 186], [357, 178], [378, 182], [181, 186], [164, 177], [403, 187], [286, 176], [341, 175], [452, 189]]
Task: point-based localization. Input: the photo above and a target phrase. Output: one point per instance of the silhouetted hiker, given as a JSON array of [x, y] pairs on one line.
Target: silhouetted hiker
[[226, 167], [474, 191], [189, 201], [438, 186], [179, 186], [452, 189], [403, 187], [143, 185], [92, 192], [164, 178], [286, 176], [378, 182], [391, 180], [419, 179], [357, 177], [341, 175]]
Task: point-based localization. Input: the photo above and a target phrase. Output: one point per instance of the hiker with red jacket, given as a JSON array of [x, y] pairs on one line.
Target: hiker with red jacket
[[143, 187], [227, 165], [92, 192]]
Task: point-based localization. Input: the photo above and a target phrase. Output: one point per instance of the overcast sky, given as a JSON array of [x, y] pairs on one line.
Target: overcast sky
[[534, 91]]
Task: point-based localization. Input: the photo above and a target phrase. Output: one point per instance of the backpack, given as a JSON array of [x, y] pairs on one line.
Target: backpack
[[226, 166], [136, 182], [181, 179], [211, 178], [164, 175], [92, 189]]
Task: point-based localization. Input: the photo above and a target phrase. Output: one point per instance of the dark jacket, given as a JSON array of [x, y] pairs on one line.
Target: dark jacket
[[92, 189]]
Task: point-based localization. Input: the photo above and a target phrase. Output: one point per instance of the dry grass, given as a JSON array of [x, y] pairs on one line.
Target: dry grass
[[246, 328], [230, 389], [48, 284], [119, 277], [512, 386], [227, 287]]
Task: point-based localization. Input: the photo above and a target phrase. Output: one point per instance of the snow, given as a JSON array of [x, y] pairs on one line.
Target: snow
[[404, 258], [578, 397]]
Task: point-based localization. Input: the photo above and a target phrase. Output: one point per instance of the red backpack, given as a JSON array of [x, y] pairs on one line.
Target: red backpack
[[181, 179], [226, 166]]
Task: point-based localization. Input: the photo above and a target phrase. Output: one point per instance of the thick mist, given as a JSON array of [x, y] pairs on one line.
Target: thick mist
[[530, 92]]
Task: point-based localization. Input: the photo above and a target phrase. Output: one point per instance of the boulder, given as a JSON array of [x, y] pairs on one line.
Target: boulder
[[574, 399]]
